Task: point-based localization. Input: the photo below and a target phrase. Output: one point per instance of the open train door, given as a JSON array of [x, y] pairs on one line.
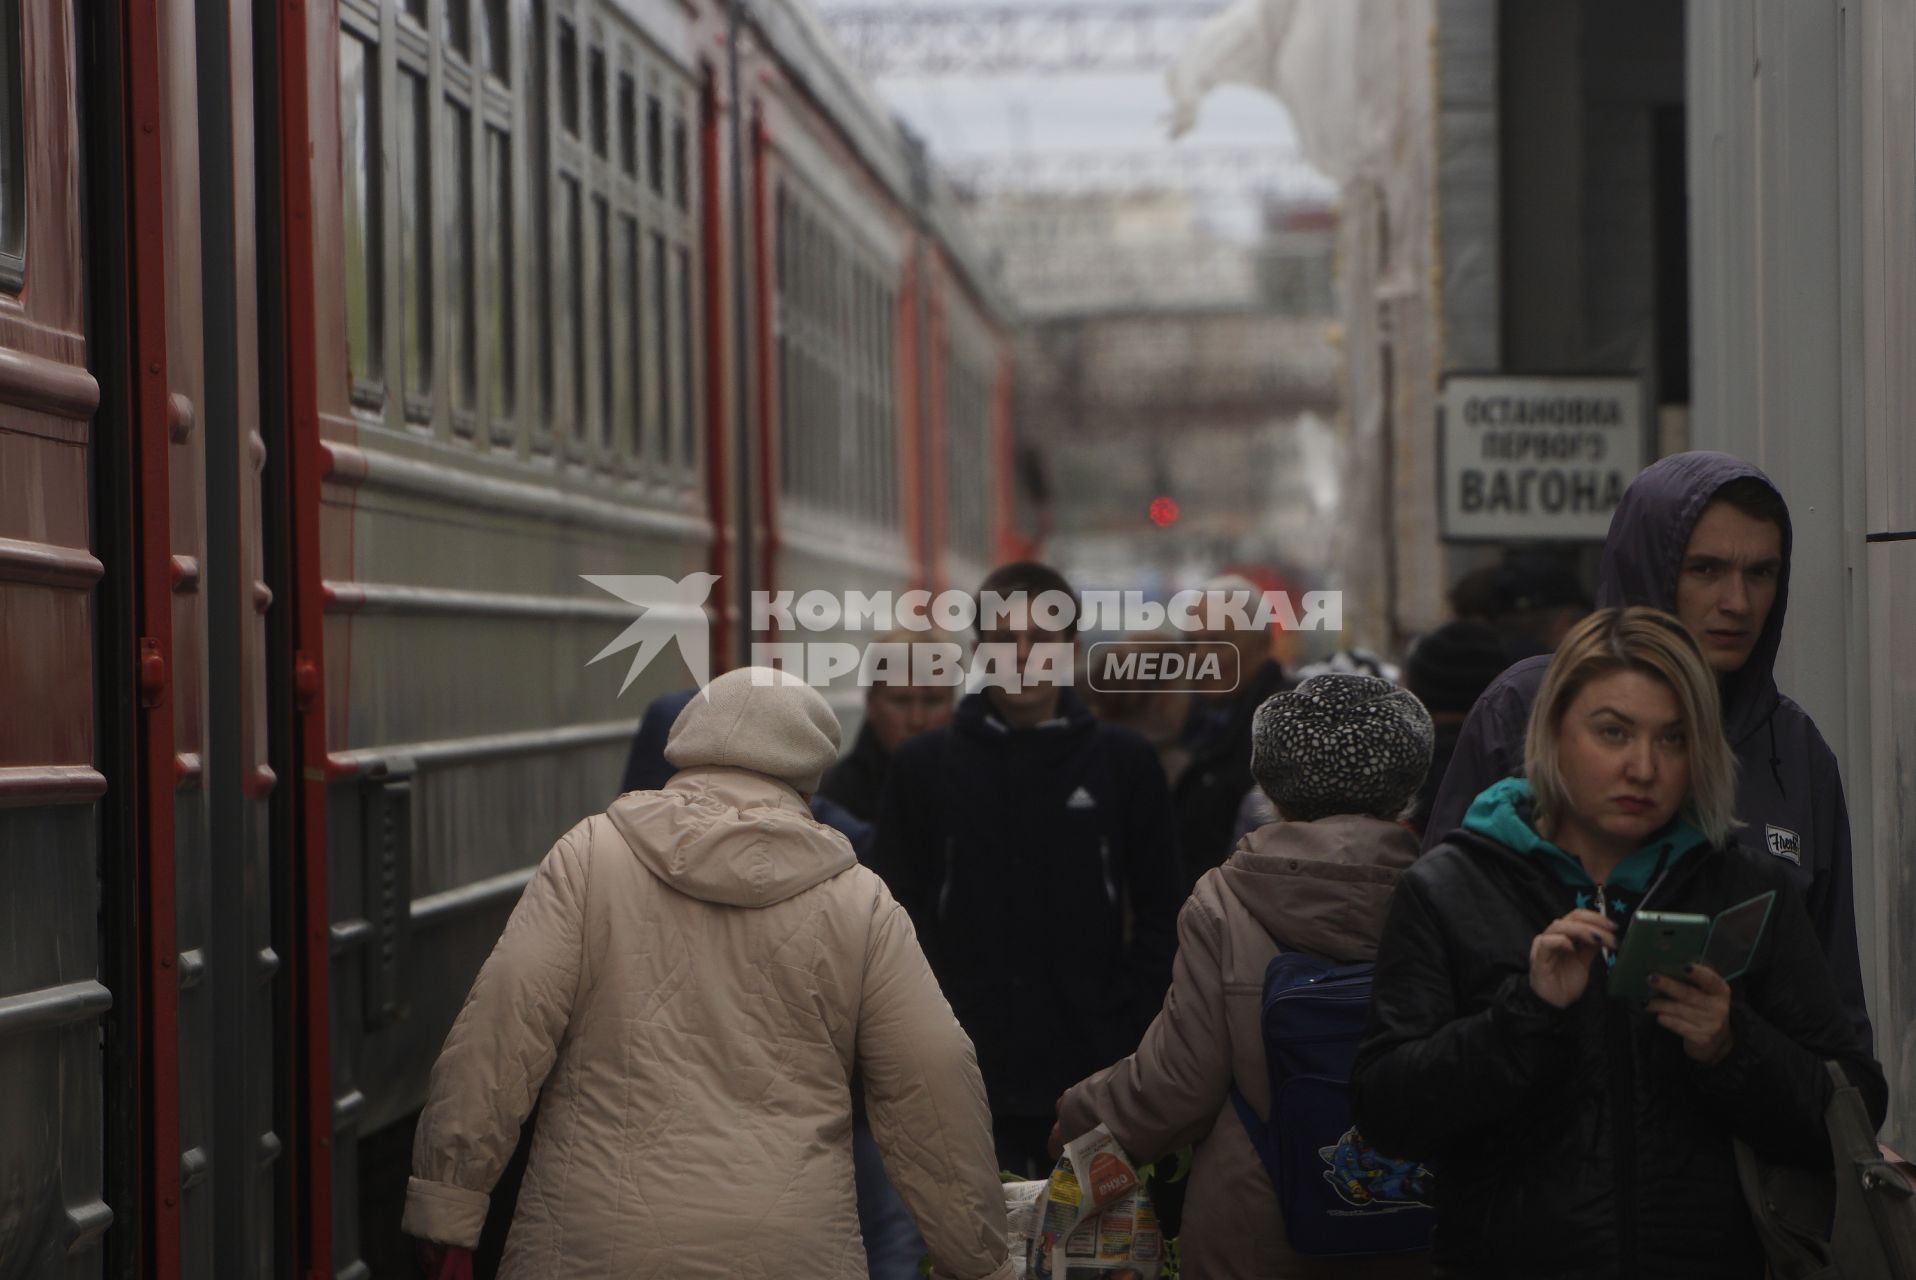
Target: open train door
[[54, 989], [142, 1095]]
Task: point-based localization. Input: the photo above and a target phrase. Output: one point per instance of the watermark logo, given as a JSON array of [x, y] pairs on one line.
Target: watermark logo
[[1163, 666], [671, 612], [1024, 641]]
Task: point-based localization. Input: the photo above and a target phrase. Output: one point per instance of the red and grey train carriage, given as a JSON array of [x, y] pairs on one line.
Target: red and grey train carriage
[[338, 338]]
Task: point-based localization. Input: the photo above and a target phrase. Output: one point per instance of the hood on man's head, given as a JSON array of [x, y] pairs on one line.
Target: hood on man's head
[[1643, 558], [758, 718], [1643, 553]]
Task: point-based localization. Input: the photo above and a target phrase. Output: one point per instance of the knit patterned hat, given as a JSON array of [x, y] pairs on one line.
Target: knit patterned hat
[[1341, 744], [761, 719]]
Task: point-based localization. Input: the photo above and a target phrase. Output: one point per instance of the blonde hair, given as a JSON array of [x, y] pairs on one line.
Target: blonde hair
[[1653, 643]]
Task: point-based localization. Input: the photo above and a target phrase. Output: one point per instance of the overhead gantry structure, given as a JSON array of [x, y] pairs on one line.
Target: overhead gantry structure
[[952, 37]]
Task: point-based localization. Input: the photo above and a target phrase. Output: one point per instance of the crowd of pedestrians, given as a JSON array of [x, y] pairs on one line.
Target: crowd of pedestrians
[[790, 1013]]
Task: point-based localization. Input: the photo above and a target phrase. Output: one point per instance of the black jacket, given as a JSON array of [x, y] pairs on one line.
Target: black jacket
[[1583, 1142], [1022, 856], [857, 782], [1788, 789], [1213, 784], [1443, 745]]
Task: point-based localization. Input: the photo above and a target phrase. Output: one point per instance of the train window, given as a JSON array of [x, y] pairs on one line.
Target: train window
[[681, 194], [416, 10], [853, 413], [804, 390], [661, 370], [831, 477], [968, 435], [496, 32], [879, 480], [602, 269], [538, 138], [888, 435], [500, 342], [811, 421], [683, 278], [816, 428], [628, 126], [13, 185], [596, 87], [415, 242], [868, 395], [655, 143], [881, 402], [568, 78], [360, 174], [782, 320], [568, 334], [623, 353], [459, 27], [461, 358]]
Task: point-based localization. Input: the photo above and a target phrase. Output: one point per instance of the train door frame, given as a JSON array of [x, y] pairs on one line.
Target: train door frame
[[296, 746], [118, 63]]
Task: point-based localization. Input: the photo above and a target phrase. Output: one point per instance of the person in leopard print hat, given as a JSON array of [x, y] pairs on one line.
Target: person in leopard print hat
[[1341, 744], [1341, 756]]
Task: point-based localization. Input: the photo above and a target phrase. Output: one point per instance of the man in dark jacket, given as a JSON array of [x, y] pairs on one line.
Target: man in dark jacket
[[1707, 537], [1036, 851], [894, 711], [1218, 738]]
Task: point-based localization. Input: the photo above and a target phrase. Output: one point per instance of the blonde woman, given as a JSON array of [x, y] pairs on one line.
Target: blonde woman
[[1572, 1132]]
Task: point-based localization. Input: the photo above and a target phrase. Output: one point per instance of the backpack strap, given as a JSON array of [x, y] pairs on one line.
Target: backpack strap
[[1263, 1141]]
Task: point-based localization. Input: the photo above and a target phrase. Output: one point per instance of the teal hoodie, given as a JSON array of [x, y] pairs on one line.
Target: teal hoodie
[[1505, 813]]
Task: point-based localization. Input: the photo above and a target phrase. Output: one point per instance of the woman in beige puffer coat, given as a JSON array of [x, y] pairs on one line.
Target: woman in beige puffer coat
[[688, 982]]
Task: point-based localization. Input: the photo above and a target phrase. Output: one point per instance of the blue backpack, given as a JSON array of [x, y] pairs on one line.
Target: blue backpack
[[1340, 1198]]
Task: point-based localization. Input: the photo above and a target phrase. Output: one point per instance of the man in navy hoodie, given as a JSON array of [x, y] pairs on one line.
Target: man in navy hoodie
[[1706, 537], [1036, 850]]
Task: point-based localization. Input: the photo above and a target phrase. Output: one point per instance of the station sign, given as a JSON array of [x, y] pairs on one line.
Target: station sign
[[1529, 458]]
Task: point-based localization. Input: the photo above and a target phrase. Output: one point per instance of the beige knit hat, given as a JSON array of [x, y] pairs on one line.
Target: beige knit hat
[[761, 719]]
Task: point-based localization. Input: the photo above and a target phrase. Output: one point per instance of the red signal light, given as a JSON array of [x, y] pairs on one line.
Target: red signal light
[[1164, 512]]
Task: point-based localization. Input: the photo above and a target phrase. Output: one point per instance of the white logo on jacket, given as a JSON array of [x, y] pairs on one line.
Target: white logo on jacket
[[1081, 799], [1784, 843]]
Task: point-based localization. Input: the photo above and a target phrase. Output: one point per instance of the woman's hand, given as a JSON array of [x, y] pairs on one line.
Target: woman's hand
[[1697, 1008], [1560, 956]]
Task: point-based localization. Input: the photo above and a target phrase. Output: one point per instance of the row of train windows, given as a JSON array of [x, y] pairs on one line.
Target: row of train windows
[[837, 401], [565, 315], [968, 473]]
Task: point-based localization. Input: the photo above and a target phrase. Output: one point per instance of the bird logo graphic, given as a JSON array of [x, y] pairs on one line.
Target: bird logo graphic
[[673, 611]]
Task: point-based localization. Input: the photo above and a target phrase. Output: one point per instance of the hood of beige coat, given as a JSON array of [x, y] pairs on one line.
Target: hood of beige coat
[[730, 836], [1322, 887]]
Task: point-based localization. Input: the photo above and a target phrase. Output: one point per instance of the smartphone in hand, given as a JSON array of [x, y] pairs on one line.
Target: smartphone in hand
[[1657, 942], [1665, 941]]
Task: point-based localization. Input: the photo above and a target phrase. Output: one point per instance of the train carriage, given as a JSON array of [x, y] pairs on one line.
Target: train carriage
[[337, 341]]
